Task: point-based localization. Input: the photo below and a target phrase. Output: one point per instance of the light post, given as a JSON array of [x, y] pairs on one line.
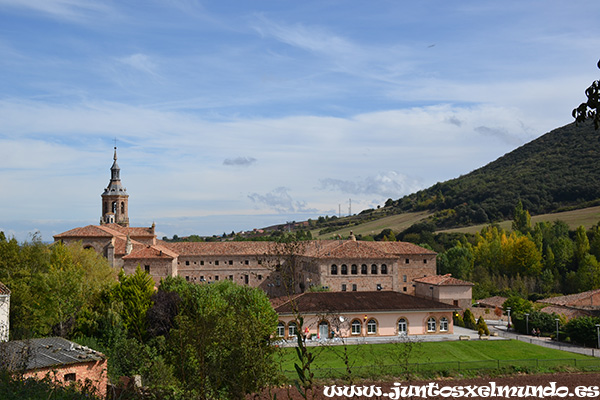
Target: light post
[[508, 311], [598, 334], [557, 329], [527, 323]]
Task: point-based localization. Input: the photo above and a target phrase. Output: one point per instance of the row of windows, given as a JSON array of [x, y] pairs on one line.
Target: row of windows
[[372, 326], [378, 286], [229, 262], [245, 278], [364, 269]]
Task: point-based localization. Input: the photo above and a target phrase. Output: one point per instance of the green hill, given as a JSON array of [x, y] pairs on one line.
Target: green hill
[[559, 171]]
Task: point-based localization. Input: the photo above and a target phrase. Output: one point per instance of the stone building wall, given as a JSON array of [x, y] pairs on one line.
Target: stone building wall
[[4, 317], [95, 371]]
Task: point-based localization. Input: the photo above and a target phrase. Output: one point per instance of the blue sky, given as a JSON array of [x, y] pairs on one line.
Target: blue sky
[[232, 115]]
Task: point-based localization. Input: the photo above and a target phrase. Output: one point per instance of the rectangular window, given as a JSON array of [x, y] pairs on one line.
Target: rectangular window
[[187, 262], [147, 268], [455, 303], [354, 288], [187, 278], [246, 262], [403, 278], [259, 262], [404, 289], [260, 277], [230, 277], [70, 377], [217, 262], [407, 261], [201, 262], [216, 277], [425, 261], [343, 287], [230, 262]]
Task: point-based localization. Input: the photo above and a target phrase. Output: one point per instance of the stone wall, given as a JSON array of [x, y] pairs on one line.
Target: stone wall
[[4, 317]]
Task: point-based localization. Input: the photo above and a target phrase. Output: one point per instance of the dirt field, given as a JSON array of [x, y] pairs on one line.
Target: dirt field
[[567, 385]]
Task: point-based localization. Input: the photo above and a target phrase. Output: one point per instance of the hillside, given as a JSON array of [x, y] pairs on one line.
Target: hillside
[[559, 170]]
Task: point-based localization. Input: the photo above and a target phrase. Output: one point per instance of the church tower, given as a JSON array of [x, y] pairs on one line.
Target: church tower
[[115, 198]]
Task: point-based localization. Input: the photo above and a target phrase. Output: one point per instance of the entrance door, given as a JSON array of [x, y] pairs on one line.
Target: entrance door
[[324, 330]]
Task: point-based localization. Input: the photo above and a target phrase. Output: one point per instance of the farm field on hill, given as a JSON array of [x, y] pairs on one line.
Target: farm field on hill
[[587, 217], [397, 223]]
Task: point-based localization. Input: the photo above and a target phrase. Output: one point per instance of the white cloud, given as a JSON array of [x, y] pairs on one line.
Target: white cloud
[[74, 10]]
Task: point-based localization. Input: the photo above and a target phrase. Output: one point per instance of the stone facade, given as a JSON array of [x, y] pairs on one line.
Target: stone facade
[[445, 289]]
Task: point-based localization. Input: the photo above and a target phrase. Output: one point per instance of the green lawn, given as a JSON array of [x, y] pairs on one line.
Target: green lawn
[[446, 355]]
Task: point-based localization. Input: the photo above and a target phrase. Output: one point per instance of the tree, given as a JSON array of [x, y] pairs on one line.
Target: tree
[[590, 109], [522, 219], [135, 292], [221, 346], [457, 261], [469, 320], [518, 305]]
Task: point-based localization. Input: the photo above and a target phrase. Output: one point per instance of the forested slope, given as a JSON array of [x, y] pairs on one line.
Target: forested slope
[[559, 170]]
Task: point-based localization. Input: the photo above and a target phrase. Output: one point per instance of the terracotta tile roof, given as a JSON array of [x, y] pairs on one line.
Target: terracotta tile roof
[[492, 302], [220, 248], [48, 352], [315, 248], [571, 299], [156, 251], [443, 280], [4, 290], [132, 231], [568, 312], [88, 231], [338, 302]]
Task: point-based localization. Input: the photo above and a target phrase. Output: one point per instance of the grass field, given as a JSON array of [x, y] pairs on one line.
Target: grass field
[[434, 356], [585, 216]]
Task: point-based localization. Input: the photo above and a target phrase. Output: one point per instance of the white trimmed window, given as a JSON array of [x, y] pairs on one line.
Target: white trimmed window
[[372, 327], [281, 329], [356, 328], [444, 324], [431, 324], [402, 327], [292, 329]]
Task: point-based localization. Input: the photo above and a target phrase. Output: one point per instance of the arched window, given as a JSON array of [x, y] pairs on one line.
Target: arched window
[[356, 327], [114, 207], [354, 269], [281, 329], [402, 327], [374, 269], [122, 207], [334, 269], [431, 324], [363, 269], [444, 324], [372, 327], [344, 269], [292, 326], [383, 269]]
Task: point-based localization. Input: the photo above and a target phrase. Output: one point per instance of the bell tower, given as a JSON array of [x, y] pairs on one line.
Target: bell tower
[[115, 198]]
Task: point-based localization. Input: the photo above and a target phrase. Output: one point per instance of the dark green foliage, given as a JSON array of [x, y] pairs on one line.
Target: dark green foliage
[[482, 327], [547, 174], [220, 345], [469, 320], [546, 323], [583, 331]]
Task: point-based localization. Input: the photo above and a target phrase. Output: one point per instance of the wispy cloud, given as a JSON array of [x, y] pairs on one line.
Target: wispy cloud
[[281, 201], [73, 10], [388, 184], [240, 161]]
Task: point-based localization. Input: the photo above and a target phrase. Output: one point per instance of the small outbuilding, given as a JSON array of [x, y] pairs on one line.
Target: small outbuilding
[[366, 314], [64, 361]]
